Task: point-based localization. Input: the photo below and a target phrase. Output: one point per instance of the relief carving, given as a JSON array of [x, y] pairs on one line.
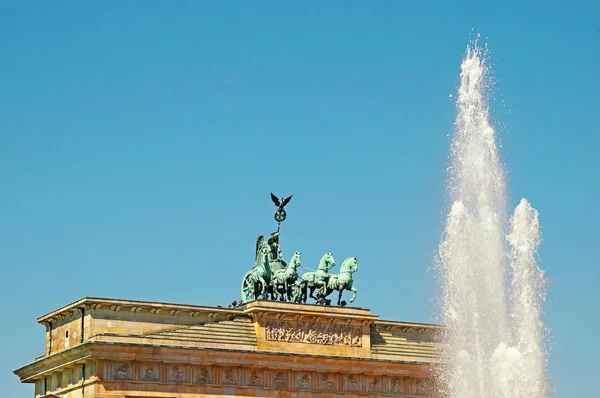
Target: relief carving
[[327, 383], [314, 333], [422, 386], [323, 382], [229, 377], [304, 382], [150, 374], [255, 379], [398, 386], [375, 385], [352, 383], [279, 381], [203, 376], [177, 374], [123, 372]]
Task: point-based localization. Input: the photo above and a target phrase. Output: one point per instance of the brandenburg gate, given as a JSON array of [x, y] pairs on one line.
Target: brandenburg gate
[[270, 344]]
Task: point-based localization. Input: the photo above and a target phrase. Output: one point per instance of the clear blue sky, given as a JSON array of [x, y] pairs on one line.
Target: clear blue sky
[[139, 142]]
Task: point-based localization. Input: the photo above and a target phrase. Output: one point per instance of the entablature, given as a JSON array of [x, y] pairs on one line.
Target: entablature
[[95, 303], [284, 311]]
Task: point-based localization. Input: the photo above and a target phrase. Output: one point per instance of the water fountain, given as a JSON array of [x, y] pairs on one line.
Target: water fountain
[[492, 288]]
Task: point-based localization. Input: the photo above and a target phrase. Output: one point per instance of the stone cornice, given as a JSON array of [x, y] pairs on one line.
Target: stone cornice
[[97, 303], [254, 308], [54, 362], [94, 350], [408, 327], [308, 313], [227, 357]]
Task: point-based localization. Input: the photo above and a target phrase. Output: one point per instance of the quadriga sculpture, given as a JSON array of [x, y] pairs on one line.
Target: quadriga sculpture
[[316, 279], [343, 281], [256, 281], [273, 278], [283, 280]]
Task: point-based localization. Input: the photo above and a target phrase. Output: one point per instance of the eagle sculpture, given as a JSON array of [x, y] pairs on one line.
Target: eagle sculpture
[[280, 203]]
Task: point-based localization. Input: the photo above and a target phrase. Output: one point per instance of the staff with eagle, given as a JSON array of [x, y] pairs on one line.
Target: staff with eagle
[[272, 277]]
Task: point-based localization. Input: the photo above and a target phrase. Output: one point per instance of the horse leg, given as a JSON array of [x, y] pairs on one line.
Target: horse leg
[[268, 290], [303, 291], [297, 289], [340, 296], [354, 295], [292, 292], [325, 293], [320, 292], [282, 294], [286, 291], [312, 291], [294, 289]]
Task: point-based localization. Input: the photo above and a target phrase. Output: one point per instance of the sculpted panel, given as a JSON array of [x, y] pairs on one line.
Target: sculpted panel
[[327, 382], [321, 380], [150, 373], [122, 372], [255, 378], [177, 374], [303, 382], [375, 385], [229, 377], [280, 380], [202, 376], [313, 333], [398, 386], [352, 383], [422, 386]]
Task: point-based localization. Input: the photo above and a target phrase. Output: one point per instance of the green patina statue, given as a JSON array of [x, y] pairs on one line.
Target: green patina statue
[[343, 280], [256, 281], [268, 260], [273, 278], [316, 279], [283, 280]]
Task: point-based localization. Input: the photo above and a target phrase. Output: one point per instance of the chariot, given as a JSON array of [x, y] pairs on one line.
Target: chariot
[[273, 278]]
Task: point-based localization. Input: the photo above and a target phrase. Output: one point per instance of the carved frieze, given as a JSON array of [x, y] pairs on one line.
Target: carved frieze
[[313, 333], [352, 383], [229, 377], [150, 373], [398, 386], [203, 376], [303, 382], [280, 380], [177, 374], [255, 378], [422, 386], [327, 382], [122, 372], [375, 385]]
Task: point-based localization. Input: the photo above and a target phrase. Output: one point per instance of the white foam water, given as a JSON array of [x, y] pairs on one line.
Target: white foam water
[[492, 288]]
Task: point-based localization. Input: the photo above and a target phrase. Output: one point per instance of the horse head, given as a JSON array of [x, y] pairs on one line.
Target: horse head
[[326, 262], [349, 265], [295, 260]]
